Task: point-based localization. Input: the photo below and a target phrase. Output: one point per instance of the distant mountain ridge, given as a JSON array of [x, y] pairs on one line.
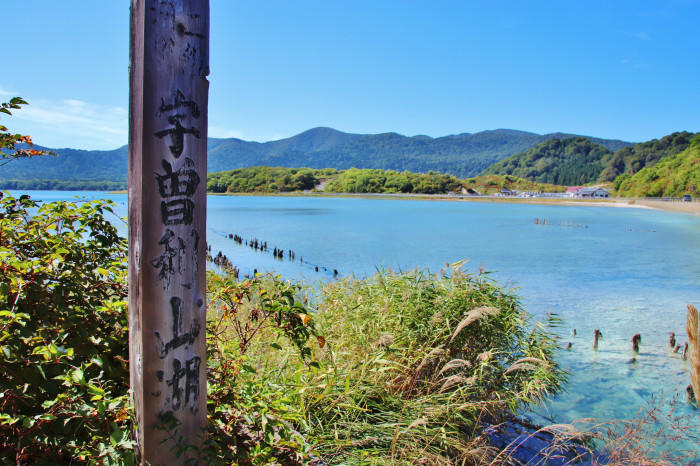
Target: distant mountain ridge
[[461, 155]]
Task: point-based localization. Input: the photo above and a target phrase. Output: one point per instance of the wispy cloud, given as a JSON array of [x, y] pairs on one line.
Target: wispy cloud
[[641, 35], [74, 123], [5, 93], [221, 132]]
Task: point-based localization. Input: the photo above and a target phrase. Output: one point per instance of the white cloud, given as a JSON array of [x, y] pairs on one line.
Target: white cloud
[[79, 124], [73, 123], [224, 133]]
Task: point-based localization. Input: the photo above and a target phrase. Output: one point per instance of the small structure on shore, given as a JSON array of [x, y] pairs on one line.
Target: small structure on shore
[[587, 192]]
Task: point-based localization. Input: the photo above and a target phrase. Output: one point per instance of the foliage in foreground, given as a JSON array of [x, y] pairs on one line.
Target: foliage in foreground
[[381, 367], [416, 361], [63, 331], [395, 368], [11, 143], [404, 366]]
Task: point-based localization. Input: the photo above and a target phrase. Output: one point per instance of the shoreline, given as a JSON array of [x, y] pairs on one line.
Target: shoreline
[[688, 208]]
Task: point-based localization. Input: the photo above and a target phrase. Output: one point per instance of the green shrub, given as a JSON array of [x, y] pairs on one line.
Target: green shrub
[[63, 331], [411, 363]]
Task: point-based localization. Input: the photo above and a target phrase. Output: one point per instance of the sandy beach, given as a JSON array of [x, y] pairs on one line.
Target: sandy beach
[[691, 208]]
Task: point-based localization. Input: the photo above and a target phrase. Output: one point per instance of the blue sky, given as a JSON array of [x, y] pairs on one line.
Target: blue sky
[[613, 69]]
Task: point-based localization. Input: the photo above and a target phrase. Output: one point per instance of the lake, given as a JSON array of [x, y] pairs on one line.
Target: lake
[[621, 270]]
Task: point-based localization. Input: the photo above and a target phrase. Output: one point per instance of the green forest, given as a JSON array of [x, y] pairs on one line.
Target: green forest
[[579, 161], [631, 159], [489, 184], [266, 179], [279, 180], [672, 176], [570, 162]]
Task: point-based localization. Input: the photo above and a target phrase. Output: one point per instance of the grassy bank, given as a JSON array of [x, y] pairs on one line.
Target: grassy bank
[[402, 366]]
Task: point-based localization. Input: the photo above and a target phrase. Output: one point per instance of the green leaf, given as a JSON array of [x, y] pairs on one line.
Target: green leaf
[[78, 376], [248, 368], [116, 436]]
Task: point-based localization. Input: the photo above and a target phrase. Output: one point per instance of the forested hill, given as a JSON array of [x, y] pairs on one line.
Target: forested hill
[[460, 155], [361, 180], [572, 161], [579, 160], [672, 176], [631, 159]]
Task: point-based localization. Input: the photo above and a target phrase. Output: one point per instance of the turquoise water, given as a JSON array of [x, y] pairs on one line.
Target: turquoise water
[[623, 271]]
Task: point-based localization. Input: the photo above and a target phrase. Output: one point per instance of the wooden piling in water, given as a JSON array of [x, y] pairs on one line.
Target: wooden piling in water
[[692, 328]]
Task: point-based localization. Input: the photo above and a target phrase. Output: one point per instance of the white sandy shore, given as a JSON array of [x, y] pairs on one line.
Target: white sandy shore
[[691, 208]]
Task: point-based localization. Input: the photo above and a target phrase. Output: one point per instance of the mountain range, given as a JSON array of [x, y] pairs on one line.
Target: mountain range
[[462, 155]]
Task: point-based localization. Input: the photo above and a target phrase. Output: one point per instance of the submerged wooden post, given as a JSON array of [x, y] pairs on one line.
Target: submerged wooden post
[[169, 62], [693, 328]]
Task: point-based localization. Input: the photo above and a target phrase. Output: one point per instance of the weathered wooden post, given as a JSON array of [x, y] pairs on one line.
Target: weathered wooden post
[[169, 62], [693, 328]]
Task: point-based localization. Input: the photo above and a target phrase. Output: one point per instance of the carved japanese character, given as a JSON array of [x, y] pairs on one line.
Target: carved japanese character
[[177, 212], [177, 132], [191, 383], [180, 338], [170, 261], [182, 182], [179, 100]]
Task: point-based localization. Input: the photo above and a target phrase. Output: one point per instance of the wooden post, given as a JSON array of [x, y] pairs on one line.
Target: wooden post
[[169, 62], [692, 326]]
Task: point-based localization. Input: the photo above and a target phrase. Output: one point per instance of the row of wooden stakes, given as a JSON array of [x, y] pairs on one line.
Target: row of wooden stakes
[[278, 253], [691, 349], [636, 341], [564, 223]]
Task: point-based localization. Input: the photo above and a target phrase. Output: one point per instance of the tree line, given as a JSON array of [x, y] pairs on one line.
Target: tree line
[[356, 180]]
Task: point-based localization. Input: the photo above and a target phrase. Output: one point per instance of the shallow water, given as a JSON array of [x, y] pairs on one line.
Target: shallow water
[[623, 271]]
